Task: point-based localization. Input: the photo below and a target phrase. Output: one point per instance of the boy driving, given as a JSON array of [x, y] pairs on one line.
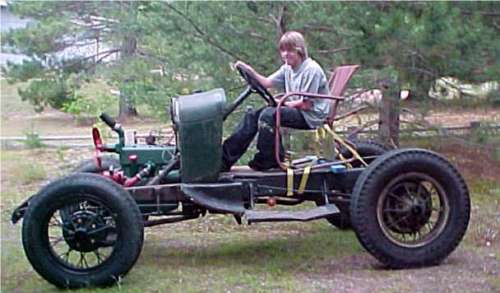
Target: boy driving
[[299, 73]]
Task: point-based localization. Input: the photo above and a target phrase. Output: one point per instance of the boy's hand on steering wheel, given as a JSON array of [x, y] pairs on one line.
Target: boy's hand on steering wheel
[[244, 66]]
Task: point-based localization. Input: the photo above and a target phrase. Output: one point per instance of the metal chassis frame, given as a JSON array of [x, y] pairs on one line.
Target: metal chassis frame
[[236, 192]]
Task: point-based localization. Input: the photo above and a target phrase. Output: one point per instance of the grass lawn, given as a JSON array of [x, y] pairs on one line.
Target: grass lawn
[[215, 254]]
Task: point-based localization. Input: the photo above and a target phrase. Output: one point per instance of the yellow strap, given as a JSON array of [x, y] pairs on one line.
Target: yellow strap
[[289, 182], [303, 180], [344, 159], [317, 145], [342, 142], [322, 132]]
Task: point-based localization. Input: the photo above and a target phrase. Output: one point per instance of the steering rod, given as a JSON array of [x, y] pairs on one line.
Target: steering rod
[[230, 109]]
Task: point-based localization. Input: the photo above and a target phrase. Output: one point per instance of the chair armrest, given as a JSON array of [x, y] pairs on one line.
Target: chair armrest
[[312, 95]]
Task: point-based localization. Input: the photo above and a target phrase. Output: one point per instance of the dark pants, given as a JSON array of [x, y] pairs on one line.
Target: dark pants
[[263, 121]]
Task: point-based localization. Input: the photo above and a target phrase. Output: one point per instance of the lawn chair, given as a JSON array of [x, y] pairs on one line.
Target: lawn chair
[[337, 83]]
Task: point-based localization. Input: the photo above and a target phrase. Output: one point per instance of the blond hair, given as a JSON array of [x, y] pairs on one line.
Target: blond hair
[[293, 40]]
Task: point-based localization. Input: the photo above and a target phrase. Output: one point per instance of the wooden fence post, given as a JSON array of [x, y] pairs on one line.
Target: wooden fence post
[[388, 129]]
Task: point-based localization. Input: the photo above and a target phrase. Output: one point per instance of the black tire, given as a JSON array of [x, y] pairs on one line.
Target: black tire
[[89, 165], [365, 148], [108, 221], [410, 208], [341, 220]]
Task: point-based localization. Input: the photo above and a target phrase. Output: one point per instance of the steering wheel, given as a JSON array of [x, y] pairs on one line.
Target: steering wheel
[[256, 86]]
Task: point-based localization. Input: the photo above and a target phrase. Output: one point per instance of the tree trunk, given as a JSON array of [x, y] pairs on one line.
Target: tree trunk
[[388, 129], [126, 105]]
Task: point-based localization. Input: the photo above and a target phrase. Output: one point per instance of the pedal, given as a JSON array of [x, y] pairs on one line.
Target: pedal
[[286, 216]]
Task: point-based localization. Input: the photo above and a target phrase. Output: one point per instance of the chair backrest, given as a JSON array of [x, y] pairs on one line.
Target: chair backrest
[[338, 82]]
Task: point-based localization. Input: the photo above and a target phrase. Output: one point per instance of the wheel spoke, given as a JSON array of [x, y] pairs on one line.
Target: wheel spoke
[[402, 219], [108, 228], [388, 210], [415, 235], [65, 255], [98, 255], [56, 222], [86, 264], [80, 262], [391, 194], [56, 241], [419, 189], [405, 185], [91, 222], [393, 223]]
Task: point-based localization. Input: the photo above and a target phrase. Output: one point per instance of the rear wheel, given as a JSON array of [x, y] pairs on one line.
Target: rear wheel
[[369, 150], [410, 208], [95, 243]]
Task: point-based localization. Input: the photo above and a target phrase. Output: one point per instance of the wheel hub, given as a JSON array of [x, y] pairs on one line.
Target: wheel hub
[[82, 233], [410, 207]]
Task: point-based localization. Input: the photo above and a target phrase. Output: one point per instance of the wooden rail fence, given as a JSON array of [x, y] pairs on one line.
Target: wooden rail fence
[[85, 141]]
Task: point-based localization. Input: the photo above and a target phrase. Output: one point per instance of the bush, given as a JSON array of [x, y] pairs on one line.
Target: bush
[[33, 140], [86, 110]]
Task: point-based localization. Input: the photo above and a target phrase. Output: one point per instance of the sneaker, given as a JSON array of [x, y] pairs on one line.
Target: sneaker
[[260, 166], [225, 168]]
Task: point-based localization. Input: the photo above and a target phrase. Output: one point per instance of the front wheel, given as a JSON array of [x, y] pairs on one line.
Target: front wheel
[[410, 208], [96, 244]]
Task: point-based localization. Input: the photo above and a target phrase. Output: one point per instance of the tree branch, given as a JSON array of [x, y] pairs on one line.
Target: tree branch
[[202, 35], [279, 21], [106, 54], [98, 61]]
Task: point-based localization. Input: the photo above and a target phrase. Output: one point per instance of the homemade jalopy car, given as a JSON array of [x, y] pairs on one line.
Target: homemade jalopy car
[[408, 207]]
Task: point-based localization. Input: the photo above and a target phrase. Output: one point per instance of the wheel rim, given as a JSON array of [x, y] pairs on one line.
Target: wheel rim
[[413, 210], [81, 234]]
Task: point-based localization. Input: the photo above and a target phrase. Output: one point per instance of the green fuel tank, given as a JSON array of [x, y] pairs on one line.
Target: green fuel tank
[[198, 121]]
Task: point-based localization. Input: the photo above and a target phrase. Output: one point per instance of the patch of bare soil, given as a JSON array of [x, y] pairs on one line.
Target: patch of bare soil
[[463, 271], [463, 117], [471, 161]]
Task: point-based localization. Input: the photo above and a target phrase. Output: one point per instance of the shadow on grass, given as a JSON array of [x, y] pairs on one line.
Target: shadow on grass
[[243, 252]]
